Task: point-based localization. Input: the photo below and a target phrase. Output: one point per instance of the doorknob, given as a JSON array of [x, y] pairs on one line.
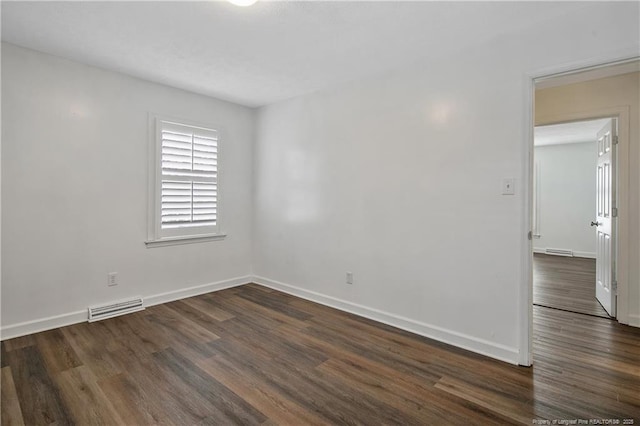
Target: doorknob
[[595, 224]]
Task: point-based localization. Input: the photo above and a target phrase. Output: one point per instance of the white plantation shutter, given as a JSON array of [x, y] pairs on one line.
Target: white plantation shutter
[[189, 177]]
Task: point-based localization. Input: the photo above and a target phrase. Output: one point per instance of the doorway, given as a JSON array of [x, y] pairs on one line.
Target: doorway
[[591, 92], [566, 272]]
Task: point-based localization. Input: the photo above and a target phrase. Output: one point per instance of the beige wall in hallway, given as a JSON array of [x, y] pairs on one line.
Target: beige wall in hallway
[[557, 103]]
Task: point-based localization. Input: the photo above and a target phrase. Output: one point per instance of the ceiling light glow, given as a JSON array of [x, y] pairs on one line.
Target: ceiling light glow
[[242, 3]]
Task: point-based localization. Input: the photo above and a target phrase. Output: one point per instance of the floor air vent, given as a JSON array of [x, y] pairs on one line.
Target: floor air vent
[[559, 252], [97, 313]]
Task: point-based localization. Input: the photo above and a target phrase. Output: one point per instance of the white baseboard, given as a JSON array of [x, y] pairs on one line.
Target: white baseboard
[[634, 320], [586, 254], [48, 323], [42, 324], [183, 293], [484, 347]]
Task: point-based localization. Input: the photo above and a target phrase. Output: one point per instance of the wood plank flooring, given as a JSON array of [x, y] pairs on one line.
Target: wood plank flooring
[[566, 283], [250, 355]]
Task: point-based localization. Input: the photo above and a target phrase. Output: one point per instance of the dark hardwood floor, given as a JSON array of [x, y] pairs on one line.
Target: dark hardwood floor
[[250, 355], [566, 283]]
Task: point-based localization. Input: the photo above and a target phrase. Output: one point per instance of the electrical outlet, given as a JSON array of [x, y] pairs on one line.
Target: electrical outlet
[[112, 279], [349, 277]]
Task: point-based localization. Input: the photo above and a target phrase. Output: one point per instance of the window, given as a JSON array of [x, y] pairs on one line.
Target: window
[[184, 202]]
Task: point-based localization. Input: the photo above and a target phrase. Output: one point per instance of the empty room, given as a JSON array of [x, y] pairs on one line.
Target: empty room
[[306, 212]]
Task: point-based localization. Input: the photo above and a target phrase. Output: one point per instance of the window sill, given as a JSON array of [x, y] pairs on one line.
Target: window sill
[[172, 241]]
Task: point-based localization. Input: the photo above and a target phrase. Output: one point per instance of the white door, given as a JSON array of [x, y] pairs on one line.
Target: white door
[[605, 223]]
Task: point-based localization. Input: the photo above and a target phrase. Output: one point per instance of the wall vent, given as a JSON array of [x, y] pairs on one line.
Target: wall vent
[[559, 252], [97, 313]]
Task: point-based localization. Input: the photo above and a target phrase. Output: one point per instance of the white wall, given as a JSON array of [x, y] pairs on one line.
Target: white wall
[[0, 187], [398, 179], [566, 197], [74, 189]]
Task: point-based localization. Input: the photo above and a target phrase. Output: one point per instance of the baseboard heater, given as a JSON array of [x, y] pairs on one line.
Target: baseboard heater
[[97, 313], [559, 252]]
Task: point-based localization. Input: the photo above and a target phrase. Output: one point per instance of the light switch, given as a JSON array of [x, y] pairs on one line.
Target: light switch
[[508, 186]]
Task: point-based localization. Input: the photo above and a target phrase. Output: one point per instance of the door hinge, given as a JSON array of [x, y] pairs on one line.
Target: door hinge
[[615, 140], [614, 287], [614, 211], [530, 235]]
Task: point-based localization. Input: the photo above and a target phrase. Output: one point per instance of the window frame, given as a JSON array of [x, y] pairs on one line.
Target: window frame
[[156, 236]]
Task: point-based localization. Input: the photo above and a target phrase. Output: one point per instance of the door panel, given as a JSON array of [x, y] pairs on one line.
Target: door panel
[[605, 225]]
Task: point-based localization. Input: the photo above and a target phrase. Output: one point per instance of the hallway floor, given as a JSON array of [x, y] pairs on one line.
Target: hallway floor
[[566, 283]]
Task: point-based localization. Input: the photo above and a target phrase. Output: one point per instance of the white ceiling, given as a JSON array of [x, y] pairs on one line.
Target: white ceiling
[[267, 52], [576, 132]]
